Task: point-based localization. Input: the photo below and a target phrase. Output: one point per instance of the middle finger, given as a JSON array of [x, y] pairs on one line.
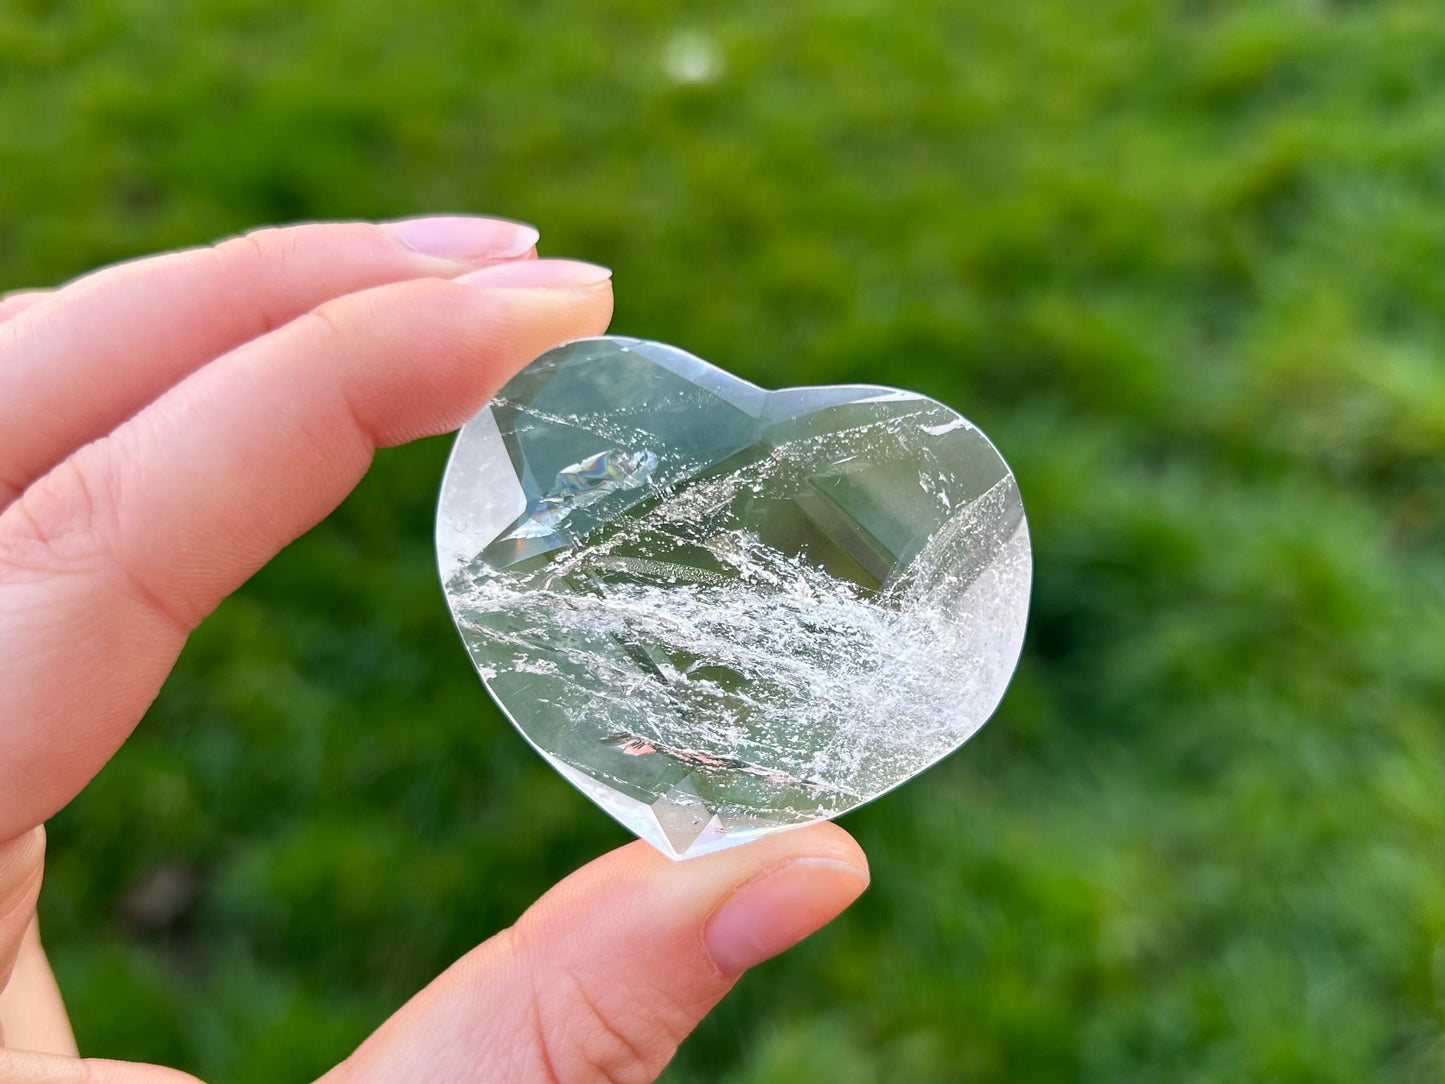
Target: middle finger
[[79, 361]]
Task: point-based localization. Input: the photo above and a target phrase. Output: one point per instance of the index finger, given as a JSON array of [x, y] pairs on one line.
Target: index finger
[[108, 561]]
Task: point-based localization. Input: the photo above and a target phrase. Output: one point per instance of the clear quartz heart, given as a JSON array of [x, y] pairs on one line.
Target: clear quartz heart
[[721, 611]]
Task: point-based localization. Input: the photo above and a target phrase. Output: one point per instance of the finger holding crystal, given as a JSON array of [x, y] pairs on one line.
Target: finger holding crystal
[[77, 361], [108, 561]]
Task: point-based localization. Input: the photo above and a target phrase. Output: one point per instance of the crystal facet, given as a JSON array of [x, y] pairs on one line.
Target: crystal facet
[[721, 611]]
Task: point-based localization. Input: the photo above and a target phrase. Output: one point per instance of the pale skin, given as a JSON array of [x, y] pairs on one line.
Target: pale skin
[[167, 426]]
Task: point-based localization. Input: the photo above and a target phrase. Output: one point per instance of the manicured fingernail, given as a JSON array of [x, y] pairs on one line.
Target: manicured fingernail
[[525, 273], [459, 237], [779, 908]]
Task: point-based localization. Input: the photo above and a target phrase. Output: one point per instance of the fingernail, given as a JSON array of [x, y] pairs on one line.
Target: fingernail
[[538, 273], [779, 908], [459, 237]]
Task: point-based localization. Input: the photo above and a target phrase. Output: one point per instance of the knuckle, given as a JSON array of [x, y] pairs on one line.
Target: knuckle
[[17, 301], [250, 259], [327, 320], [65, 520], [254, 247], [69, 523], [22, 327], [620, 1036]]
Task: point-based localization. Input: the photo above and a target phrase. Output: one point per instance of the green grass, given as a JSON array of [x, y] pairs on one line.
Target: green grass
[[1184, 261]]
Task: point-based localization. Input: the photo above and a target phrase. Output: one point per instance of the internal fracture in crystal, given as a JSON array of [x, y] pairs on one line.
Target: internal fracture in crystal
[[721, 611]]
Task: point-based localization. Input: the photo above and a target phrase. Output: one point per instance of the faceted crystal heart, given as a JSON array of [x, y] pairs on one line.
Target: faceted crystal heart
[[721, 611]]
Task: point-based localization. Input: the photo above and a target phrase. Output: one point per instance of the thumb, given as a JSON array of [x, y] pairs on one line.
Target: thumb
[[608, 972]]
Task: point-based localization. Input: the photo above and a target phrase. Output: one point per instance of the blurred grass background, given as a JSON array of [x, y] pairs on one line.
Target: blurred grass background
[[1183, 259]]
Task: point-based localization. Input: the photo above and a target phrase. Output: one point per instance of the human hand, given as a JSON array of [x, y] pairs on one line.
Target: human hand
[[168, 425]]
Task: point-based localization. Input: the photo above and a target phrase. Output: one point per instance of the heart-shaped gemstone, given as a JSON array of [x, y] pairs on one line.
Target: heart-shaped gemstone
[[721, 611]]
